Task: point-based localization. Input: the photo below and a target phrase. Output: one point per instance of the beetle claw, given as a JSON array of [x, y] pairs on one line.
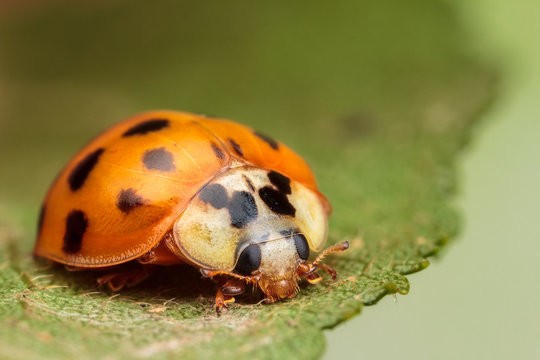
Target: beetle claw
[[222, 301], [219, 307]]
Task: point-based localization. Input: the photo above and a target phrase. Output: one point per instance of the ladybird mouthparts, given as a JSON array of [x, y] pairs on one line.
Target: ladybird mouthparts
[[285, 288]]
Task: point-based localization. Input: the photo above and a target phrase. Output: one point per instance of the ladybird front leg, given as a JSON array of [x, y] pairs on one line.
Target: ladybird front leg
[[222, 300], [331, 271], [227, 290], [233, 287], [119, 280], [313, 278], [309, 272]]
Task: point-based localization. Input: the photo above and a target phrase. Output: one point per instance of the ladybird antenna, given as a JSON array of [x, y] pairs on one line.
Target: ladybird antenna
[[211, 274], [342, 246]]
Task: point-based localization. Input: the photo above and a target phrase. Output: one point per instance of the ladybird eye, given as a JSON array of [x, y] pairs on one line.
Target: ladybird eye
[[301, 246], [249, 260]]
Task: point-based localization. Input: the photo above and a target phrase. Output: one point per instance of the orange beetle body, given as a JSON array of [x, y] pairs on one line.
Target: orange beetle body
[[124, 196]]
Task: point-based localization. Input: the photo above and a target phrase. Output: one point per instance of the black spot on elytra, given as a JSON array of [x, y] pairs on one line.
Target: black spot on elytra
[[249, 183], [219, 153], [271, 142], [237, 149], [277, 201], [41, 218], [76, 224], [249, 260], [280, 181], [128, 200], [215, 195], [147, 126], [242, 209], [159, 159], [302, 247], [80, 173]]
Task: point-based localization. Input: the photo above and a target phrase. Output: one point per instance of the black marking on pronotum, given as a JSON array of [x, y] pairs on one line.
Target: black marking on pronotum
[[159, 159], [215, 195], [267, 139], [302, 247], [237, 149], [277, 201], [147, 126], [249, 260], [249, 183], [129, 200], [280, 181], [219, 153], [41, 218], [76, 224], [80, 173], [242, 209]]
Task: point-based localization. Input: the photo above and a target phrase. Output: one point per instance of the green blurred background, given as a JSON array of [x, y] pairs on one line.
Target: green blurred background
[[310, 73]]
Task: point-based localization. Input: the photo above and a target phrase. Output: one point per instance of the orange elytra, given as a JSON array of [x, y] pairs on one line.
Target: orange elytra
[[166, 187]]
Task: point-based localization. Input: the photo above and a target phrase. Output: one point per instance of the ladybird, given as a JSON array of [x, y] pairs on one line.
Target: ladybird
[[167, 188]]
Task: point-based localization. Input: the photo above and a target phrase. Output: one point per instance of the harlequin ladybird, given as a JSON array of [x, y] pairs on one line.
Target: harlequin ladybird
[[166, 188]]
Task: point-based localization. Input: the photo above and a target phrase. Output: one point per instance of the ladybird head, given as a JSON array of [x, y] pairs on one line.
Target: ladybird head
[[276, 266], [273, 264], [257, 225]]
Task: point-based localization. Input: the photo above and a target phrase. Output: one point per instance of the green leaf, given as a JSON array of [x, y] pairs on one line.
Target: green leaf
[[379, 98]]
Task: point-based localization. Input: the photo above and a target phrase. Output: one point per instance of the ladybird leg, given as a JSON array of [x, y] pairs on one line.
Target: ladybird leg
[[118, 280], [222, 301], [313, 278], [227, 290], [309, 271], [233, 287], [269, 300], [329, 270]]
